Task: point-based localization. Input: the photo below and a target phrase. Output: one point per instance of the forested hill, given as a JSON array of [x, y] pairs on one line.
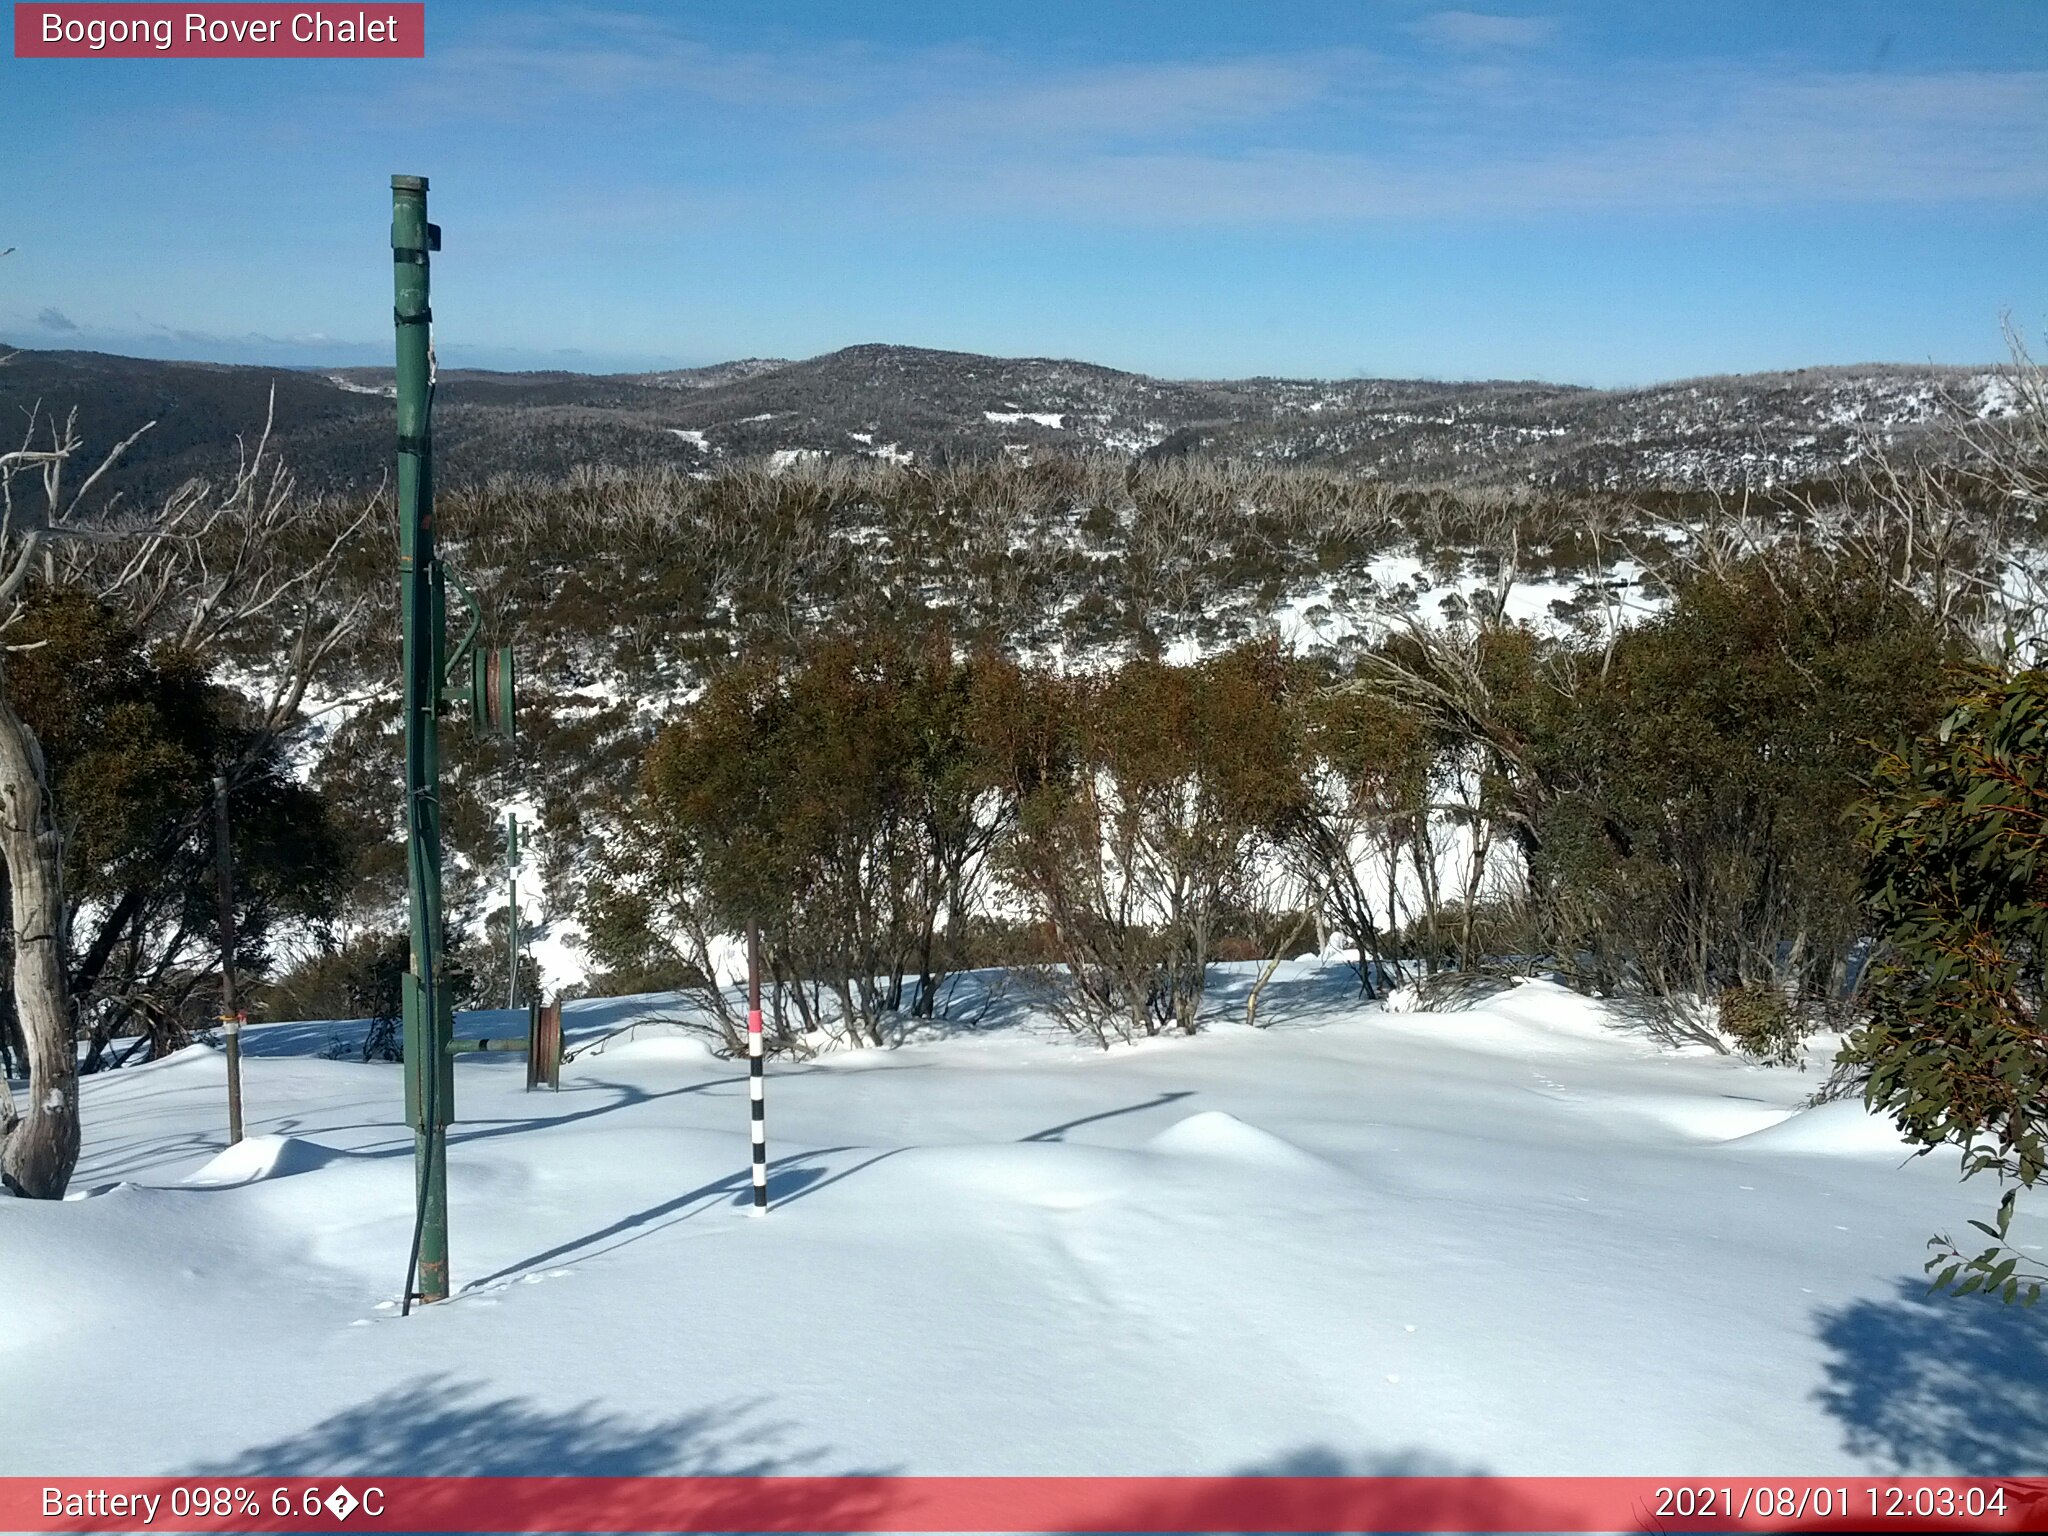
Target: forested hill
[[899, 403]]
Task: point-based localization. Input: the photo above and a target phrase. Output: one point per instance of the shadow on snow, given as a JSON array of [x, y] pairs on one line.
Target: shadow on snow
[[1939, 1384]]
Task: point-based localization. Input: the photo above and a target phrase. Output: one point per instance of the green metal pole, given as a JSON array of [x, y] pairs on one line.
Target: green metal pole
[[429, 1018]]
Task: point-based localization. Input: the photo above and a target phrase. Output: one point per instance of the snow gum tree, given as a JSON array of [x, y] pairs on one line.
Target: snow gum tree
[[145, 604], [1723, 746], [130, 737], [1678, 791], [1956, 1046], [837, 798], [1160, 787], [1367, 765]]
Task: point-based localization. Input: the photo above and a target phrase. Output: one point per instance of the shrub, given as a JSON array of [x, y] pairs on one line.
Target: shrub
[[1144, 801], [357, 980], [838, 799], [1957, 890], [1759, 1020]]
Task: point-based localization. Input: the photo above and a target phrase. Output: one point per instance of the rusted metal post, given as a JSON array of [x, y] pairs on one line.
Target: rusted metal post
[[230, 1005]]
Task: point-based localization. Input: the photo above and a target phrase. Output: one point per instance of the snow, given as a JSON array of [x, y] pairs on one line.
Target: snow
[[1840, 1129], [558, 948], [1998, 395], [1054, 419], [388, 391], [1519, 1238], [894, 453], [260, 1157], [694, 438], [1134, 439], [1212, 1133]]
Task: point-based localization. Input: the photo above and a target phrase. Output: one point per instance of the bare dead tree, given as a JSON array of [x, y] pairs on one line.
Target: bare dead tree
[[1953, 518], [1959, 524]]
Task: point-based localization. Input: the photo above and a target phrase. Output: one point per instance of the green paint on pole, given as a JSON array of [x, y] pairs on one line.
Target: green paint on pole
[[430, 688], [428, 1014]]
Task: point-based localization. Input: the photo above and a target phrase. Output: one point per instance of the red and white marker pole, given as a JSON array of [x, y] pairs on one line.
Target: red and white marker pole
[[757, 1072]]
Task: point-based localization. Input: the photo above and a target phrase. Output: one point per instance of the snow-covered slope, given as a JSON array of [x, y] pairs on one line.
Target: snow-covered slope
[[1520, 1239]]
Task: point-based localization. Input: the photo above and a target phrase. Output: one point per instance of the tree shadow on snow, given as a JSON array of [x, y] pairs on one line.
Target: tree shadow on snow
[[435, 1426], [549, 1112], [1425, 1499], [432, 1426], [789, 1178], [1059, 1132], [1939, 1384]]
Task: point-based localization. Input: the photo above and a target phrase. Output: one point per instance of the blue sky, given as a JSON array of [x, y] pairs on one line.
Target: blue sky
[[1606, 194]]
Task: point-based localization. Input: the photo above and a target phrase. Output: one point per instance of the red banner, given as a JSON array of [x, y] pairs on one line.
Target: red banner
[[1006, 1504], [214, 31]]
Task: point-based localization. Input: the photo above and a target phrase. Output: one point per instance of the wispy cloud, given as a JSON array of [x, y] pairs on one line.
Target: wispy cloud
[[528, 64], [1674, 145], [1463, 115], [1477, 31], [1148, 100], [531, 65]]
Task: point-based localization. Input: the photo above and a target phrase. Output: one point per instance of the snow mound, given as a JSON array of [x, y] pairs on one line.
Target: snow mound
[[1707, 1117], [261, 1157], [1841, 1129], [1532, 1016], [1212, 1133], [1552, 1006], [685, 1050]]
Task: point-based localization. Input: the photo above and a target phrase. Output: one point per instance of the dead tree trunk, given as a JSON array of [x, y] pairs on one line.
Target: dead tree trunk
[[41, 1146]]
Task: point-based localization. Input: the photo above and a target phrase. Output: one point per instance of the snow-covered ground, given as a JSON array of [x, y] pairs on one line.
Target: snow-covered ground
[[1518, 1239]]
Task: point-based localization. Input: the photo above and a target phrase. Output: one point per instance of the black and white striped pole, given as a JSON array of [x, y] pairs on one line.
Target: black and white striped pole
[[757, 1072]]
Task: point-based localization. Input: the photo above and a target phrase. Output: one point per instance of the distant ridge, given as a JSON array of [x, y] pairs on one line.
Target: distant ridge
[[921, 404]]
